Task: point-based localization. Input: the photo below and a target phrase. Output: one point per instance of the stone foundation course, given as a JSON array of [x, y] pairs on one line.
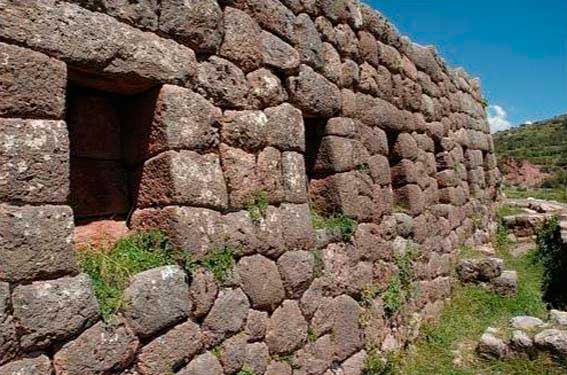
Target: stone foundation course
[[340, 163]]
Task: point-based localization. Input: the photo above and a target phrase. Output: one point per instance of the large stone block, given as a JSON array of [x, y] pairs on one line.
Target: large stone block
[[172, 117], [195, 230], [261, 281], [97, 43], [341, 11], [102, 349], [270, 177], [314, 94], [34, 163], [379, 168], [375, 112], [170, 350], [338, 154], [245, 129], [197, 23], [266, 89], [36, 242], [287, 329], [410, 197], [272, 15], [278, 54], [29, 366], [156, 299], [8, 338], [222, 82], [204, 364], [53, 311], [297, 227], [140, 13], [241, 43], [294, 177], [240, 173], [297, 269], [185, 178], [285, 128], [308, 42], [31, 84], [229, 312]]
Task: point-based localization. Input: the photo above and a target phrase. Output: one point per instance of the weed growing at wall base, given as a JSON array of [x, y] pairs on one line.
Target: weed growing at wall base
[[340, 223]]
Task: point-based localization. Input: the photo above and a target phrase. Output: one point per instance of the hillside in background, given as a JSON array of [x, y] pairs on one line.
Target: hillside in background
[[543, 143]]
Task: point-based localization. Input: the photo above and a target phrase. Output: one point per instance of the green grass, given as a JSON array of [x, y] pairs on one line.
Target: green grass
[[257, 206], [345, 225], [554, 194], [220, 262], [471, 310], [110, 270], [506, 210]]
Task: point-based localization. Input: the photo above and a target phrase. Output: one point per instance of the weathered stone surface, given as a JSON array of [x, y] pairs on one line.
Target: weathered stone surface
[[315, 357], [506, 284], [240, 233], [294, 177], [142, 13], [375, 112], [270, 177], [287, 329], [99, 350], [526, 323], [202, 291], [34, 163], [308, 42], [379, 168], [332, 67], [228, 312], [521, 341], [109, 48], [278, 368], [297, 227], [52, 311], [31, 84], [553, 340], [492, 347], [272, 15], [338, 154], [266, 89], [410, 197], [156, 299], [261, 281], [29, 366], [175, 118], [196, 23], [296, 268], [314, 94], [356, 364], [240, 174], [489, 268], [170, 350], [232, 353], [191, 229], [558, 317], [185, 178], [256, 324], [205, 364], [241, 43], [36, 242], [257, 357], [278, 54], [245, 129], [285, 128], [8, 339], [222, 82]]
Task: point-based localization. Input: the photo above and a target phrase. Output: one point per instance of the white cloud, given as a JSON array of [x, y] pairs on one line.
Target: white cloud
[[498, 118], [528, 122]]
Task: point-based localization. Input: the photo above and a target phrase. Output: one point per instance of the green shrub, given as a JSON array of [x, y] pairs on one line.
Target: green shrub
[[553, 256], [341, 223], [246, 371], [110, 270], [257, 206], [393, 296], [376, 364], [220, 262]]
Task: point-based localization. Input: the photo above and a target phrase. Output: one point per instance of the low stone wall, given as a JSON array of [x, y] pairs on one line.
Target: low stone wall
[[294, 105]]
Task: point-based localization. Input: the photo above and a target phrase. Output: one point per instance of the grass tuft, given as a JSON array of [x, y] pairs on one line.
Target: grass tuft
[[257, 206], [345, 225], [220, 262]]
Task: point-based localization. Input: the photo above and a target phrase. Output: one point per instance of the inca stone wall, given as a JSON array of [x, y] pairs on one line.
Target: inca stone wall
[[175, 114]]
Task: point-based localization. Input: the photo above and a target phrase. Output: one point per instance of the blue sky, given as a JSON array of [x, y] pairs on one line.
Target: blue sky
[[517, 48]]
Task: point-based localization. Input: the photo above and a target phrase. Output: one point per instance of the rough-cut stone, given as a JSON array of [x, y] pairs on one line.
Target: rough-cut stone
[[31, 84], [308, 42], [241, 43], [185, 178], [314, 94], [287, 329], [53, 311], [356, 364], [167, 352], [278, 368], [553, 340], [272, 15], [202, 291], [285, 128], [232, 353], [315, 357], [142, 14], [558, 317], [172, 118], [240, 174], [261, 281], [506, 284], [278, 54], [191, 229], [228, 312], [521, 341], [294, 177], [36, 242], [99, 350], [222, 82], [526, 323], [29, 366], [8, 338], [195, 23], [256, 324], [296, 268], [297, 228], [270, 177], [489, 268], [266, 89], [257, 357], [492, 346], [205, 364], [245, 129], [156, 299], [34, 163]]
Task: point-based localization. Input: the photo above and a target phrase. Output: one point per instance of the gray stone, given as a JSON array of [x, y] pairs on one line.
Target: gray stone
[[184, 178], [278, 54], [197, 24], [526, 323], [307, 42], [256, 324], [506, 284], [492, 347], [315, 357], [294, 177], [521, 342], [53, 311], [228, 312], [489, 268], [36, 242], [558, 317], [467, 271], [266, 89], [142, 13], [102, 349], [34, 163], [278, 368], [257, 357], [168, 351], [31, 84], [156, 299], [205, 364], [29, 366], [202, 291], [356, 364], [245, 129], [222, 82], [296, 268], [261, 281], [287, 329], [553, 340], [314, 94], [285, 128]]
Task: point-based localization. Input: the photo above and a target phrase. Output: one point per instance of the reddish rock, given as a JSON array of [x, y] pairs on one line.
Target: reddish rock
[[287, 329], [313, 94], [99, 234], [261, 281]]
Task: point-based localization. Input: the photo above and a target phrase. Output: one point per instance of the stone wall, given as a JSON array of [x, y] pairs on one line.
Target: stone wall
[[314, 105]]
